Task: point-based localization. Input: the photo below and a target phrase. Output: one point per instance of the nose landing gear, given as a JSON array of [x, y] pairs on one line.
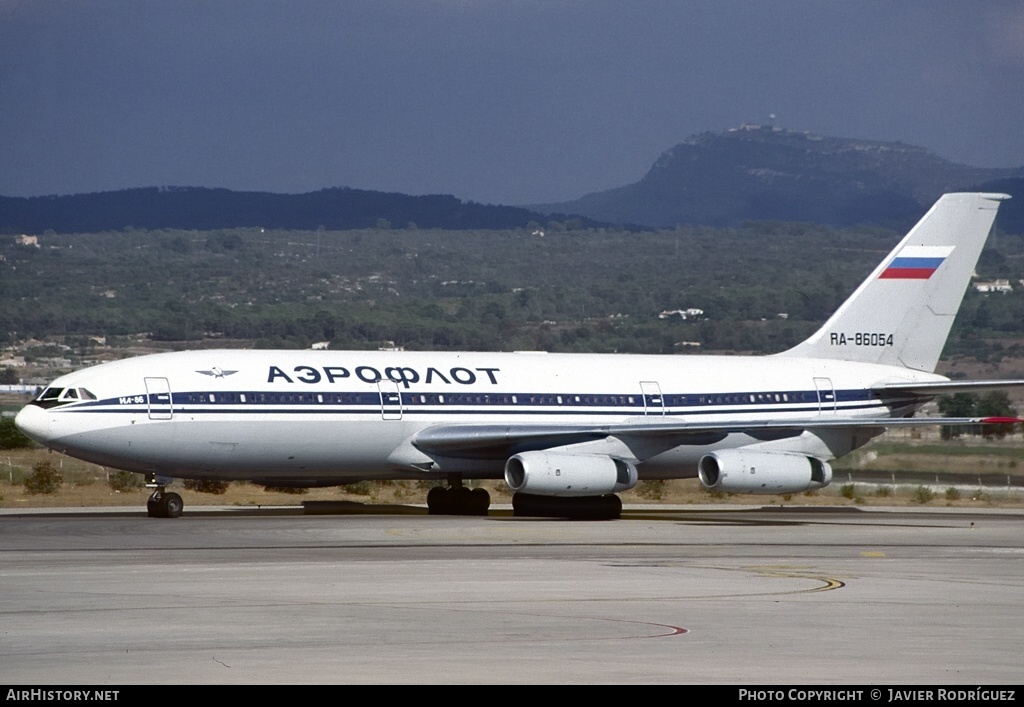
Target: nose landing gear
[[162, 504]]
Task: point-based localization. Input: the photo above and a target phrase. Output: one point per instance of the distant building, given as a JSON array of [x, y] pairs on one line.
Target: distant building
[[321, 346], [27, 240], [1002, 286], [17, 388], [684, 314]]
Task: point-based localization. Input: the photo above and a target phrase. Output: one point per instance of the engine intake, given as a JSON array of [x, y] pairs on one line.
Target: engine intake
[[557, 474], [739, 471]]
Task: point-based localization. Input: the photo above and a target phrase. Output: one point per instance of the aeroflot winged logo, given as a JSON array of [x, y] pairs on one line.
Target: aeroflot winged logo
[[916, 262], [217, 372]]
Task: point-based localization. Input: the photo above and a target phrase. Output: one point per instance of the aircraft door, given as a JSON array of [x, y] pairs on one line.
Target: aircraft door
[[158, 399], [390, 400], [826, 395], [654, 403]]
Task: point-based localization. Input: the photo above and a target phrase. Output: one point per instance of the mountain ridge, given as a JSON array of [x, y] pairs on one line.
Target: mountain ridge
[[767, 173], [751, 173], [202, 208]]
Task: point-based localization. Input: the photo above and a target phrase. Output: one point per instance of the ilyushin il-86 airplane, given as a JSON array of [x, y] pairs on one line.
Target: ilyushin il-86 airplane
[[565, 431]]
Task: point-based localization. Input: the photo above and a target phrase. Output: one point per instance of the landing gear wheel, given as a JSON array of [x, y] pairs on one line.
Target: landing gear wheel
[[164, 505], [479, 502], [607, 507], [437, 501], [458, 501], [172, 505]]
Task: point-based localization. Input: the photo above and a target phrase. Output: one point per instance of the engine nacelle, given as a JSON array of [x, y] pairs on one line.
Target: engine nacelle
[[739, 471], [557, 474]]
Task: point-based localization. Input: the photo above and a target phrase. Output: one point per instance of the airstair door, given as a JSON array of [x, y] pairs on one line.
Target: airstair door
[[826, 395], [158, 399], [654, 403], [390, 400]]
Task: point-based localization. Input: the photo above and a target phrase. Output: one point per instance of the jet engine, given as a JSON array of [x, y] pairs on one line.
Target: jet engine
[[740, 471], [558, 474]]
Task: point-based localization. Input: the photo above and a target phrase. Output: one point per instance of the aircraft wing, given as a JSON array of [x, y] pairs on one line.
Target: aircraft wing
[[462, 439]]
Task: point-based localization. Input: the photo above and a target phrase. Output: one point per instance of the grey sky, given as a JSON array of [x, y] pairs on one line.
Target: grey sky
[[491, 100]]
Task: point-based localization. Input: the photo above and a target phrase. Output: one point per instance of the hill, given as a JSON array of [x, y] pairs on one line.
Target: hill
[[768, 174], [202, 209], [751, 173]]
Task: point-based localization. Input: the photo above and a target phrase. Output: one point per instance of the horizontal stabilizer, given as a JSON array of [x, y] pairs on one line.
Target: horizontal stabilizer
[[947, 387]]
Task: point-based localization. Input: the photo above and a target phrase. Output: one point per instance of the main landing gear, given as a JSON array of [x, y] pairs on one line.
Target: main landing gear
[[162, 504], [457, 500], [607, 507]]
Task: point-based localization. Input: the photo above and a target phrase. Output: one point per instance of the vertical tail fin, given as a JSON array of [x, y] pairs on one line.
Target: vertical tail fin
[[902, 313]]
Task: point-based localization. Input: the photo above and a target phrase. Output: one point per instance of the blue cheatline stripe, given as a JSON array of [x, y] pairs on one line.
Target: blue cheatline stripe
[[456, 412], [464, 409], [526, 402]]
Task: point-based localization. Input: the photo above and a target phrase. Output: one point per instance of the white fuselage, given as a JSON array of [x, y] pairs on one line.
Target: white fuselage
[[324, 417]]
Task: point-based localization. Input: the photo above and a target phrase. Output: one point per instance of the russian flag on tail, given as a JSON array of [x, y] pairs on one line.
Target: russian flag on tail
[[915, 262]]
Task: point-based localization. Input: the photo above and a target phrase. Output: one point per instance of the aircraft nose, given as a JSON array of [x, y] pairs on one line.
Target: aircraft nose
[[34, 423]]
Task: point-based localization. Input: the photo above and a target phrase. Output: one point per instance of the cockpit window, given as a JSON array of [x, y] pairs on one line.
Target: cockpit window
[[51, 397]]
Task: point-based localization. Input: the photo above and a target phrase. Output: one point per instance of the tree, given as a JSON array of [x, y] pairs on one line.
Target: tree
[[957, 405], [10, 436], [996, 404], [45, 478]]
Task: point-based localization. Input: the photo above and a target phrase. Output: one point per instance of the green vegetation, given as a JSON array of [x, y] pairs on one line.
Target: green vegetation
[[44, 479], [213, 486], [361, 488], [595, 290], [11, 437], [994, 404], [123, 481], [923, 495]]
